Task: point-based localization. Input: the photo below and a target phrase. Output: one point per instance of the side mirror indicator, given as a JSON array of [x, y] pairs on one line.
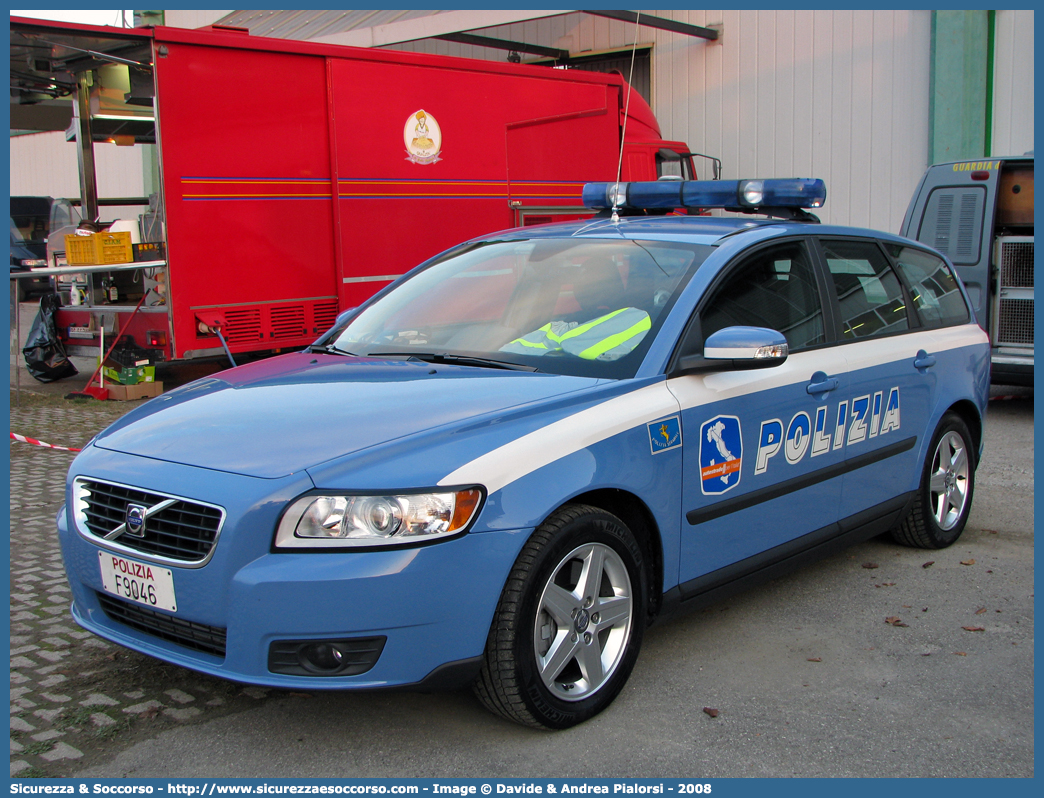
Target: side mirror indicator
[[747, 343], [736, 349]]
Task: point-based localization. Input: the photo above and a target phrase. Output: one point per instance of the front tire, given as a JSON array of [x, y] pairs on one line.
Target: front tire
[[944, 497], [570, 622]]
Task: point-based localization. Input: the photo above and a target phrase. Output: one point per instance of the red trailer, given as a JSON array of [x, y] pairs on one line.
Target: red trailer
[[295, 179]]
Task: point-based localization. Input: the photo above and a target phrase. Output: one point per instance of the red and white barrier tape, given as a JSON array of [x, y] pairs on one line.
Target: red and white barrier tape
[[1009, 398], [34, 442]]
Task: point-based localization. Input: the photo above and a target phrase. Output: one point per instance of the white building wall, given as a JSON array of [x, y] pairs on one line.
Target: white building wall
[[1013, 83], [44, 164], [841, 95]]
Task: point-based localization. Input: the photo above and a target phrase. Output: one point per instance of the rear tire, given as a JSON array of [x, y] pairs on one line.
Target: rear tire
[[569, 624], [944, 497]]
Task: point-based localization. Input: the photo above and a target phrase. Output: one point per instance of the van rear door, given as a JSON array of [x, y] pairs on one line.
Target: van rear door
[[952, 211]]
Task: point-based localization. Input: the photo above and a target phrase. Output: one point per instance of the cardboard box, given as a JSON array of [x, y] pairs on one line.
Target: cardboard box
[[130, 375], [127, 393]]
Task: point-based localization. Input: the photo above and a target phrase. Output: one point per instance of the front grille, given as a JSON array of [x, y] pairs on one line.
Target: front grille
[[183, 531], [197, 636]]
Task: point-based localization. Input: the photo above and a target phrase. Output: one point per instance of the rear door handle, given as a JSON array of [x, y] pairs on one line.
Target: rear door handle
[[923, 360], [821, 383]]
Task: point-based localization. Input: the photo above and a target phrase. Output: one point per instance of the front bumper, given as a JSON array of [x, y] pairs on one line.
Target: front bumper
[[433, 603]]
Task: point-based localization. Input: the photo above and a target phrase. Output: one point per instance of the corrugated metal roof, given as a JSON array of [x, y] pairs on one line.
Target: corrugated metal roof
[[312, 24]]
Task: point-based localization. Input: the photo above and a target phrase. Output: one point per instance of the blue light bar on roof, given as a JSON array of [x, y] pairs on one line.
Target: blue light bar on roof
[[733, 195]]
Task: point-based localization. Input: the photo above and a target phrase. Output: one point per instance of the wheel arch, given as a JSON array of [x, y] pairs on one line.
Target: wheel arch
[[630, 509], [969, 414]]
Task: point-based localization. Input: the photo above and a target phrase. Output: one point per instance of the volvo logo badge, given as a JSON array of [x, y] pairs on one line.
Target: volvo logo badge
[[583, 620], [135, 520]]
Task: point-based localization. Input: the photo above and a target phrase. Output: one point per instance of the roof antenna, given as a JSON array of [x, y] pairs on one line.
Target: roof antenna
[[623, 134]]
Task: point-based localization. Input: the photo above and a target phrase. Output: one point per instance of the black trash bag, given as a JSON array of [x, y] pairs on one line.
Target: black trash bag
[[44, 354]]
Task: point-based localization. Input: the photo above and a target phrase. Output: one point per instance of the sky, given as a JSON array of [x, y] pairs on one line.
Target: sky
[[84, 17]]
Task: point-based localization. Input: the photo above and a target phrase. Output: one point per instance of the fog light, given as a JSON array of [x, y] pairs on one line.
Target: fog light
[[324, 656], [345, 657]]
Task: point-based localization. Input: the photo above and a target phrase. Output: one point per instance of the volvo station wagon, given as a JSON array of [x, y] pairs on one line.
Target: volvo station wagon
[[507, 464]]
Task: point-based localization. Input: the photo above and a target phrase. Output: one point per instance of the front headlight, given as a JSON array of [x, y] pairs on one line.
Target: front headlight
[[347, 521]]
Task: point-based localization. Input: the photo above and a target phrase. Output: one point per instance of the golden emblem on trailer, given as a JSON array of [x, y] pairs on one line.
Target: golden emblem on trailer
[[423, 138]]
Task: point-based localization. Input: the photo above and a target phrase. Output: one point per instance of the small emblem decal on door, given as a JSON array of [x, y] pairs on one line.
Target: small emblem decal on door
[[665, 434]]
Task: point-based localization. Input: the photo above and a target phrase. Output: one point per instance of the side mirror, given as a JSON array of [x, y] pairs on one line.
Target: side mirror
[[343, 316], [736, 349], [342, 319]]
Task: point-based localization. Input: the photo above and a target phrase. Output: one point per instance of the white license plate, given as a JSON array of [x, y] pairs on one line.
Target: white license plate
[[137, 581]]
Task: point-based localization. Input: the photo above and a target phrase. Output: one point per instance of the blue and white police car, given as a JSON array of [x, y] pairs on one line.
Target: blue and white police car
[[508, 463]]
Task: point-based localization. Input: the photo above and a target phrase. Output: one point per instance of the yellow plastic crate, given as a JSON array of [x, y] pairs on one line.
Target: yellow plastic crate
[[98, 248]]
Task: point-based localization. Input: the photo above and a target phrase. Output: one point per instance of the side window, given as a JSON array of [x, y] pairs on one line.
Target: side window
[[673, 164], [868, 292], [775, 288], [933, 287]]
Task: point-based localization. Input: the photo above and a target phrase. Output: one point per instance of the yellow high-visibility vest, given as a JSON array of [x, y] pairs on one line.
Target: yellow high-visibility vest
[[608, 337]]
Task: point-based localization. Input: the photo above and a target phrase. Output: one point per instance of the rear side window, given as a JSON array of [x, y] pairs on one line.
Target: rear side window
[[868, 292], [933, 288]]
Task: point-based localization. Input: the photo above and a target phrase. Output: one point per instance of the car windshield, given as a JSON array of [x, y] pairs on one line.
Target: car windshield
[[586, 308], [16, 234]]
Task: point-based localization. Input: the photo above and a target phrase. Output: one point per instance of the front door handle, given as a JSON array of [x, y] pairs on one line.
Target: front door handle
[[923, 360], [821, 383]]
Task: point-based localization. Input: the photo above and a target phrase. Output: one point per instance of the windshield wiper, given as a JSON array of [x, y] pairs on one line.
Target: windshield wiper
[[457, 360], [329, 349]]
